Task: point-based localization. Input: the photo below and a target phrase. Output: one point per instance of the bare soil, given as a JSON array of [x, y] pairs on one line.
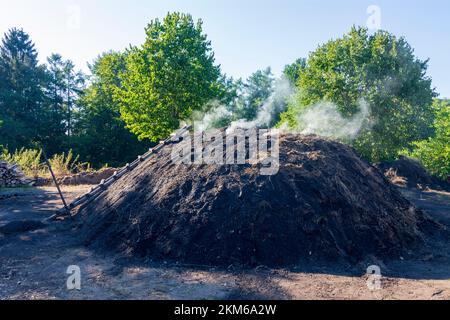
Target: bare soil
[[82, 178], [34, 263]]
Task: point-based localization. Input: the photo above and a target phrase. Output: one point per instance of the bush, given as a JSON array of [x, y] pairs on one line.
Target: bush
[[27, 159], [32, 164], [434, 153], [62, 164]]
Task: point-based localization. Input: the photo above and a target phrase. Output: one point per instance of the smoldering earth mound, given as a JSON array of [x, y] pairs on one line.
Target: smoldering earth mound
[[324, 203], [409, 172]]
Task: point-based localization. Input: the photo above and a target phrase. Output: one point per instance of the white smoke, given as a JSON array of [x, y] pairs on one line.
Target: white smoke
[[324, 119], [208, 120], [274, 105], [267, 113]]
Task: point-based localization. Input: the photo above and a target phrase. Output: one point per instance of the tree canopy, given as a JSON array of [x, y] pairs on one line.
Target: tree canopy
[[145, 92], [100, 135], [256, 90], [36, 100], [434, 152], [172, 74], [380, 69], [294, 70], [21, 97]]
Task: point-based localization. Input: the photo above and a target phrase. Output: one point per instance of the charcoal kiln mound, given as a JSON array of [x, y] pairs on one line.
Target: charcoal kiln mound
[[407, 172], [325, 203]]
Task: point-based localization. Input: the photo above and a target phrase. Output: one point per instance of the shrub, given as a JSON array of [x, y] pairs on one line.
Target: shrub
[[29, 160], [434, 153], [33, 165]]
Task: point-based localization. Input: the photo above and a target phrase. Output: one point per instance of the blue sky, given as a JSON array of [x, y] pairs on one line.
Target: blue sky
[[246, 35]]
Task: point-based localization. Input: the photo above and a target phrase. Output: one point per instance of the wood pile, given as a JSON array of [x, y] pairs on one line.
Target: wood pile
[[11, 176]]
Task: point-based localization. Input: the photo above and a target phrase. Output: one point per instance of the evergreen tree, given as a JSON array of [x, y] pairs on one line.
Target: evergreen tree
[[21, 95], [256, 90], [55, 90], [74, 85]]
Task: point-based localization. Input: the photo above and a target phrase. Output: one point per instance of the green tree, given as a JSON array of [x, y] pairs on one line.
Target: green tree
[[62, 90], [294, 70], [381, 69], [73, 82], [55, 90], [229, 91], [55, 83], [239, 100], [434, 153], [100, 136], [22, 108], [221, 111], [168, 77], [256, 90]]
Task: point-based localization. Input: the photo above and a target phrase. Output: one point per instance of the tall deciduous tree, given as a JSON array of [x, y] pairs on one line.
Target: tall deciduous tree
[[434, 153], [294, 70], [168, 77], [381, 69], [100, 135]]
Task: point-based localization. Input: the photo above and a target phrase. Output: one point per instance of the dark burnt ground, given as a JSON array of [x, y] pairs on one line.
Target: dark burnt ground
[[325, 204]]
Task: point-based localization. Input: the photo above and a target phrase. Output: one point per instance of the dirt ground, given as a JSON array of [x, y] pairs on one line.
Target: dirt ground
[[33, 265]]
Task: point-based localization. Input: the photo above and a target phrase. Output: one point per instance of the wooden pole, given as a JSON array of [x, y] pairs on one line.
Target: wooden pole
[[56, 182]]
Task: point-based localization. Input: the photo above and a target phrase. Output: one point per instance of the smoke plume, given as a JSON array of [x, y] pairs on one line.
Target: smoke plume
[[324, 119], [271, 109]]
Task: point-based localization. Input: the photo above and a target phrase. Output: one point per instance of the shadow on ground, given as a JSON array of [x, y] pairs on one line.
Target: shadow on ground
[[34, 263]]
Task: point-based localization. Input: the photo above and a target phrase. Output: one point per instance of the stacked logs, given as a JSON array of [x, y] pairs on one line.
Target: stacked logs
[[11, 176]]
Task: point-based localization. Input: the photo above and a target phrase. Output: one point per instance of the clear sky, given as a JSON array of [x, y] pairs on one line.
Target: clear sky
[[246, 35]]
